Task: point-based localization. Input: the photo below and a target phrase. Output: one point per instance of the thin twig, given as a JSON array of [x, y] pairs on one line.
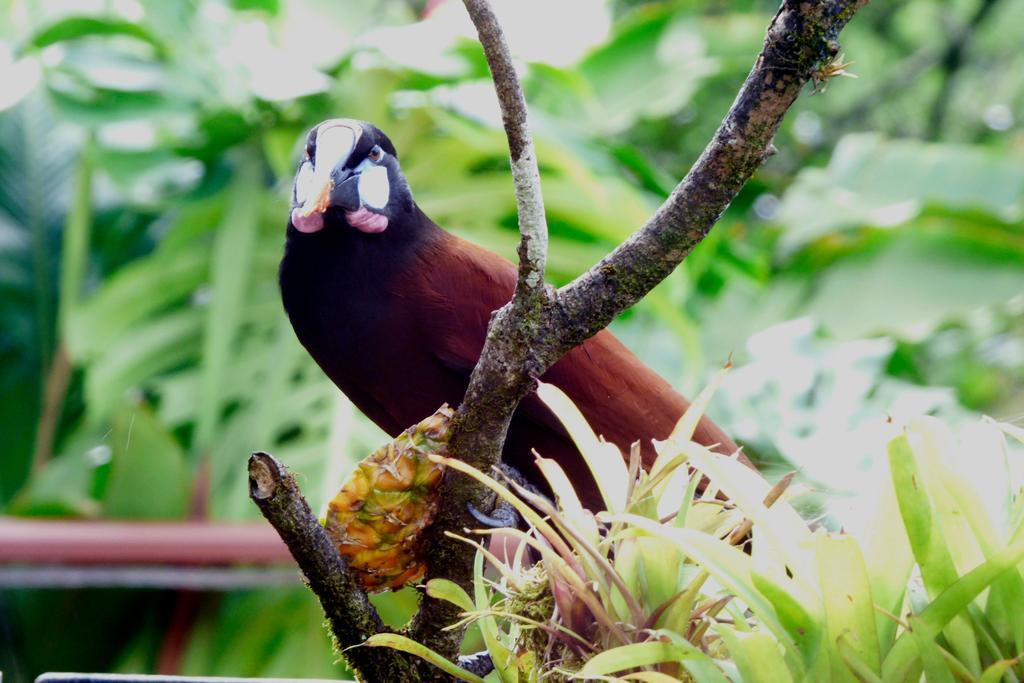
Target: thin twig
[[533, 226]]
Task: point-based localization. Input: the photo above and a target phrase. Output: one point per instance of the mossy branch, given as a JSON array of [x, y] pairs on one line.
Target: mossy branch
[[351, 616]]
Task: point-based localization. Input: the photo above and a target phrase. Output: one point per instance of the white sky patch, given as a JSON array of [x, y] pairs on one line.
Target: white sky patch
[[119, 75], [558, 33], [374, 187], [131, 10], [273, 73], [20, 77], [894, 214], [475, 99], [52, 55], [128, 135]]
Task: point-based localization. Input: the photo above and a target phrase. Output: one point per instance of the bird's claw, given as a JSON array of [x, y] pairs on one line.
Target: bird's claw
[[504, 516], [479, 663]]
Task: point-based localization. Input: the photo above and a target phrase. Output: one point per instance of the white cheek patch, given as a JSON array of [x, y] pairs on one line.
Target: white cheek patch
[[374, 187], [303, 182]]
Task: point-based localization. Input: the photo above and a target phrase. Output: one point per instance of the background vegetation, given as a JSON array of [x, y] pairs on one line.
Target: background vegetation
[[874, 268]]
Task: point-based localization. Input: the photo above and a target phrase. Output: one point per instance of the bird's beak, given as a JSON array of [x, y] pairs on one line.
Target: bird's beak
[[335, 141]]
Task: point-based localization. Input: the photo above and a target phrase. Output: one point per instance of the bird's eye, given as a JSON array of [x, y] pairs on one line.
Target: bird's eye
[[376, 154]]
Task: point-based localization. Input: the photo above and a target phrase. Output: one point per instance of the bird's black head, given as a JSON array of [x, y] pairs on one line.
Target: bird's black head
[[349, 176]]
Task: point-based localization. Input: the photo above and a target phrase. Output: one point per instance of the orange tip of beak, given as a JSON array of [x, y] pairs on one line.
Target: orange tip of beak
[[320, 202]]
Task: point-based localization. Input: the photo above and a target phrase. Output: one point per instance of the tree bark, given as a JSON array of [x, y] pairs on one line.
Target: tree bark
[[348, 610]]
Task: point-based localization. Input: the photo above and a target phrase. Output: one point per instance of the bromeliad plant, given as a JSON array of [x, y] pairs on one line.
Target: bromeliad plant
[[701, 570]]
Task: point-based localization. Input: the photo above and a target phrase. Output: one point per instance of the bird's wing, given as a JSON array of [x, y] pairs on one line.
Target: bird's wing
[[457, 287], [623, 399]]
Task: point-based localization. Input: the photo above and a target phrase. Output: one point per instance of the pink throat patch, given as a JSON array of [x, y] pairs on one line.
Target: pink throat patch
[[367, 221], [311, 223]]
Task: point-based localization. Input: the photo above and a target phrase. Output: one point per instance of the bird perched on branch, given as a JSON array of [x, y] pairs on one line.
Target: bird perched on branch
[[395, 311]]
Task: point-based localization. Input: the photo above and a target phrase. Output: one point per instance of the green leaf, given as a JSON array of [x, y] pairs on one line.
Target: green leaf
[[796, 612], [71, 28], [996, 670], [872, 180], [849, 653], [928, 543], [97, 106], [757, 655], [75, 249], [729, 566], [970, 531], [659, 570], [937, 277], [680, 608], [230, 270], [650, 68], [139, 355], [287, 637], [61, 488], [888, 560], [603, 459], [780, 529], [269, 6], [502, 657], [948, 605], [935, 668], [149, 478], [134, 293], [849, 607], [403, 644], [653, 652], [687, 424], [443, 589]]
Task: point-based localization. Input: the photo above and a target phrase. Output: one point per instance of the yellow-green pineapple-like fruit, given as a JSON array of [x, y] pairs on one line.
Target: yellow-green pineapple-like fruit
[[378, 517]]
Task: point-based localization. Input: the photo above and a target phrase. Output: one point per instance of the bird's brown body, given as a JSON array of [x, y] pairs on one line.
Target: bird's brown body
[[397, 320]]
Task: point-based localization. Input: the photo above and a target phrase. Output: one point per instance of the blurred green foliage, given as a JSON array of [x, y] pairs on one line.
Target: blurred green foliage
[[146, 152]]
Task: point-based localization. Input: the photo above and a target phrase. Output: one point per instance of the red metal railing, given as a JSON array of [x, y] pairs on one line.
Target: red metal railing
[[35, 541]]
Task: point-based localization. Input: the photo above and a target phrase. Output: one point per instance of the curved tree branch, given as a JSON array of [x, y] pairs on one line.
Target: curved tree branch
[[528, 335]]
